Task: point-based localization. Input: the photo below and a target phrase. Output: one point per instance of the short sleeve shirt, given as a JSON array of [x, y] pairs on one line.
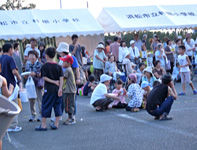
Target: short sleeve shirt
[[53, 71], [69, 85], [162, 60], [30, 49], [77, 52], [98, 93], [97, 64], [74, 65], [7, 65]]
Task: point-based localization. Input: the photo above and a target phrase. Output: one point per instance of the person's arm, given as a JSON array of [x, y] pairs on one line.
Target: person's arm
[[56, 82], [78, 76], [74, 50], [5, 91], [172, 90], [15, 72], [81, 58], [97, 57], [60, 86], [156, 75], [111, 96]]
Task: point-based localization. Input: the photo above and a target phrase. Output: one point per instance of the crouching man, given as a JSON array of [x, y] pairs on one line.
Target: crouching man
[[161, 98]]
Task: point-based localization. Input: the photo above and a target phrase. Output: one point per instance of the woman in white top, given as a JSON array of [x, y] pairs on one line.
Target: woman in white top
[[189, 48], [160, 55], [122, 49], [134, 52]]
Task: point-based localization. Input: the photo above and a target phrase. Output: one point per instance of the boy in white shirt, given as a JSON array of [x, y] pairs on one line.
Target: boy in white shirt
[[100, 98], [184, 70]]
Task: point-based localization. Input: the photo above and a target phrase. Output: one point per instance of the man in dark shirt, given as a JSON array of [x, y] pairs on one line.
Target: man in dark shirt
[[161, 98]]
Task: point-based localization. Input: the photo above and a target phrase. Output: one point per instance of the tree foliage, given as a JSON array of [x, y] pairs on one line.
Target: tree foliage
[[17, 4]]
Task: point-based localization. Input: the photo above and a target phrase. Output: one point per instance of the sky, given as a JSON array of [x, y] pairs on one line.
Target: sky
[[95, 6]]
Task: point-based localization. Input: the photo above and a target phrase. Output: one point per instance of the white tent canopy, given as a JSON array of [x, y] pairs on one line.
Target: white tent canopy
[[22, 24], [125, 19]]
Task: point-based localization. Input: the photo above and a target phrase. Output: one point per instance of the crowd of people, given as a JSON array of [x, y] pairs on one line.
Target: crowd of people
[[144, 77]]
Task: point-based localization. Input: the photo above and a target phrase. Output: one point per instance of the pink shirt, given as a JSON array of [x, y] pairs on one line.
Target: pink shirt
[[121, 96], [114, 48]]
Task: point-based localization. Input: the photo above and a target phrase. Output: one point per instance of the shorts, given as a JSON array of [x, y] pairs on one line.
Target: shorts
[[49, 101], [69, 102], [102, 102], [185, 77]]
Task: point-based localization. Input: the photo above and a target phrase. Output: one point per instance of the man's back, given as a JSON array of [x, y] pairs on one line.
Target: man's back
[[7, 65], [157, 95], [114, 48]]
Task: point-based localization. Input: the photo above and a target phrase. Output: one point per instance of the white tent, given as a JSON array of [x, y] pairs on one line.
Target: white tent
[[120, 19], [22, 24]]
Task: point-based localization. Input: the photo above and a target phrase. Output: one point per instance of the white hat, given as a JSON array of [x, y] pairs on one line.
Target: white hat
[[144, 84], [63, 47], [105, 77], [132, 41], [148, 69], [179, 37], [28, 45], [100, 46], [126, 53], [132, 64]]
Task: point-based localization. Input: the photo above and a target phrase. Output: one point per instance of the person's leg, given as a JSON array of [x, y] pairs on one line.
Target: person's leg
[[192, 86], [57, 109], [14, 123], [32, 103], [44, 122], [172, 66], [166, 106], [183, 87], [39, 99]]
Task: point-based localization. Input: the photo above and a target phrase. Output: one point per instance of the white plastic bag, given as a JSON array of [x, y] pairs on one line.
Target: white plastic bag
[[14, 93], [23, 96], [30, 88]]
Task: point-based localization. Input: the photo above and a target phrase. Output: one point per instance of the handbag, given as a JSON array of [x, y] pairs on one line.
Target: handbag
[[30, 88]]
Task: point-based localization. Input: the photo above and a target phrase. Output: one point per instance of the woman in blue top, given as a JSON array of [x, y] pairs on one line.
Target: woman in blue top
[[149, 77]]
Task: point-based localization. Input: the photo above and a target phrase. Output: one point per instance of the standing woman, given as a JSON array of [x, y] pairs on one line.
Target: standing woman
[[122, 49], [35, 68], [170, 56]]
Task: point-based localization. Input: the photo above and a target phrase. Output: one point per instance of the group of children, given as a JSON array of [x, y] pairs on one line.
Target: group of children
[[136, 95], [59, 87]]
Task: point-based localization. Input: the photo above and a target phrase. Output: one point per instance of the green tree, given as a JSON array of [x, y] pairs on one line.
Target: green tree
[[17, 4]]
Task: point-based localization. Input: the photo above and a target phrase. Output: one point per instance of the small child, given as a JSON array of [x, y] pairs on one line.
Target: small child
[[146, 87], [53, 76], [89, 86], [184, 70], [121, 92], [135, 94], [176, 73], [69, 89]]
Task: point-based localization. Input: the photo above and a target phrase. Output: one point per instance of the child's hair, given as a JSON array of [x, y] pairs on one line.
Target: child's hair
[[168, 41], [115, 38], [178, 40], [156, 83], [157, 62], [141, 64], [91, 78], [15, 45], [122, 42], [118, 81], [50, 52], [182, 47], [74, 36], [34, 53], [101, 43], [111, 56]]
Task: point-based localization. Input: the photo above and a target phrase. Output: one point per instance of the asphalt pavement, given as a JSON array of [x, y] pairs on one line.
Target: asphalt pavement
[[115, 129]]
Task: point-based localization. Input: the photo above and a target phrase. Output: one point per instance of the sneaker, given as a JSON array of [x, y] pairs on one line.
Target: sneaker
[[166, 117], [32, 118], [182, 94], [69, 122], [195, 92], [16, 129], [39, 119]]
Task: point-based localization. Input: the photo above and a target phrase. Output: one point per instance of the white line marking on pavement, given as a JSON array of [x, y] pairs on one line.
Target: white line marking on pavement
[[173, 130], [15, 143]]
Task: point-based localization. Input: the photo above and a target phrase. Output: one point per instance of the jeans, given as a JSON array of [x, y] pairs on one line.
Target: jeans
[[164, 108]]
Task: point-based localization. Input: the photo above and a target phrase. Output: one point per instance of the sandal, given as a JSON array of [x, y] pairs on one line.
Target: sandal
[[39, 128], [53, 127], [182, 94]]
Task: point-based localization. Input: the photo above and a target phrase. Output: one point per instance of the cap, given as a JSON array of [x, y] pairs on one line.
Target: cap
[[132, 41], [105, 77], [67, 59]]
